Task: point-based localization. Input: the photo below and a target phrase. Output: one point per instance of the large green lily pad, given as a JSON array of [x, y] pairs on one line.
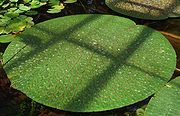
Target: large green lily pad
[[146, 9], [166, 102], [87, 63]]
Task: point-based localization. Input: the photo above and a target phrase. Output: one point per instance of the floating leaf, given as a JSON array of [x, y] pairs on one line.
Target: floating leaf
[[23, 7], [1, 30], [12, 9], [1, 55], [29, 22], [6, 38], [3, 11], [70, 1], [19, 11], [5, 5], [176, 11], [19, 23], [4, 20], [14, 0], [36, 4], [44, 0], [145, 9], [166, 102], [56, 8], [88, 63], [11, 14], [26, 1], [16, 25], [53, 2], [2, 1]]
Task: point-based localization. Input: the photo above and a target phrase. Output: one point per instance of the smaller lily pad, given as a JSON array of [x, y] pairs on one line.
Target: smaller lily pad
[[146, 9], [176, 11], [167, 101]]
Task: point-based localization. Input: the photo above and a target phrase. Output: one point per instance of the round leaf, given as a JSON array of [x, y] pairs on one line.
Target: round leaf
[[166, 102], [87, 63]]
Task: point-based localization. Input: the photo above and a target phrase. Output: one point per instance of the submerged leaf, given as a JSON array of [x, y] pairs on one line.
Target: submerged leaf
[[88, 63]]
